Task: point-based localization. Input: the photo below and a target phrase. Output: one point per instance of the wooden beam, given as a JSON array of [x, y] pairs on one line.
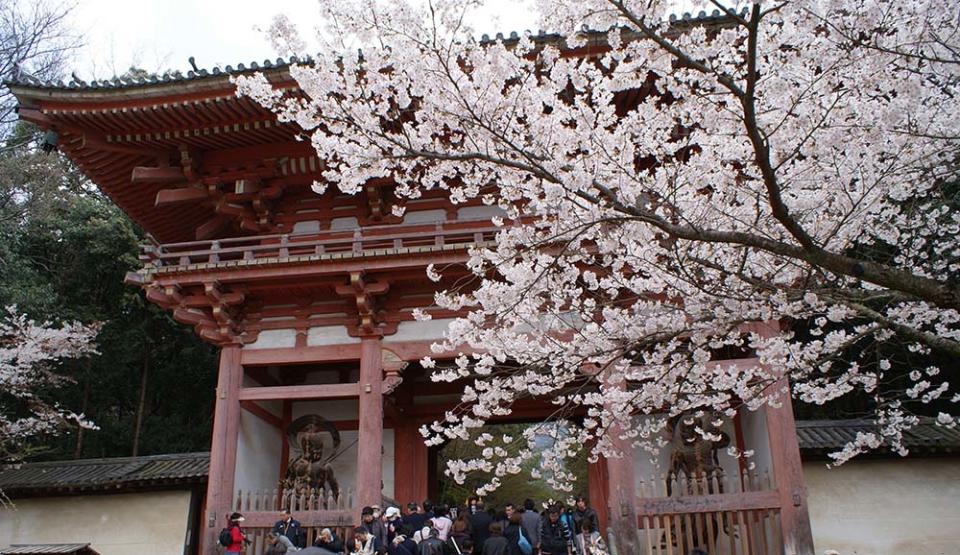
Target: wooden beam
[[262, 413], [744, 501], [168, 174], [303, 355], [211, 227], [311, 519], [300, 392], [167, 197]]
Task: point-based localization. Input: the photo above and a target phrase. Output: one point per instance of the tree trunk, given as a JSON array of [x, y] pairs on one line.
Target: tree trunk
[[84, 404], [142, 401]]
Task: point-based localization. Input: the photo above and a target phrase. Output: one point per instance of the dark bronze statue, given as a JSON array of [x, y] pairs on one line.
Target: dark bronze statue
[[693, 455], [310, 470]]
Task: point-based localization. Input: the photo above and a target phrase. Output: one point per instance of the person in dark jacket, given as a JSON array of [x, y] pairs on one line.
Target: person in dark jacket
[[432, 544], [375, 526], [496, 544], [556, 537], [290, 527], [329, 541], [512, 533], [402, 542], [582, 510], [414, 518], [480, 527], [365, 543]]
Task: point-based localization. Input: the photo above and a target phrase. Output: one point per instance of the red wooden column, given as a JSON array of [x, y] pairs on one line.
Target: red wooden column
[[410, 466], [598, 488], [223, 447], [788, 473], [621, 490], [370, 446]]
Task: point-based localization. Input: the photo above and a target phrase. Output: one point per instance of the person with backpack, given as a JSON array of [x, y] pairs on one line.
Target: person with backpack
[[290, 528], [519, 544], [232, 537], [431, 545], [555, 536], [530, 522]]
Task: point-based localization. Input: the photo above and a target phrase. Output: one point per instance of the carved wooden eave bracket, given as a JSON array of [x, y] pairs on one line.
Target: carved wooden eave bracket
[[213, 312], [237, 194], [393, 366], [364, 293]]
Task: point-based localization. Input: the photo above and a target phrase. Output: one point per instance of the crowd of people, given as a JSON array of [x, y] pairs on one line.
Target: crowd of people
[[429, 529]]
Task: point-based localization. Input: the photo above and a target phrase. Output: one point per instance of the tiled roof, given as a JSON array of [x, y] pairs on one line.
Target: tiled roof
[[105, 474], [20, 78], [818, 437], [49, 549]]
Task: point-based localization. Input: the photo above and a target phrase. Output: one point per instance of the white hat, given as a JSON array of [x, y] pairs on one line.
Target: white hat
[[392, 513]]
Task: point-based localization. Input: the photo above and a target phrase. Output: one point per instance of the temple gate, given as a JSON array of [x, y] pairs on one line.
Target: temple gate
[[310, 298]]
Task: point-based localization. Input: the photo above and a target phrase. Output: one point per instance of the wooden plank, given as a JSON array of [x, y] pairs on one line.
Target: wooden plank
[[709, 503], [300, 392]]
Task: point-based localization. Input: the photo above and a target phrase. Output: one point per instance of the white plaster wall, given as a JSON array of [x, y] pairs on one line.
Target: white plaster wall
[[477, 212], [259, 447], [885, 507], [274, 339], [419, 331], [425, 216], [121, 524], [329, 335], [306, 226]]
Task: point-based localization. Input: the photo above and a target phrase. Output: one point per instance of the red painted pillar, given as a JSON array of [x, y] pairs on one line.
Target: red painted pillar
[[598, 486], [370, 445], [788, 474], [223, 447], [410, 466], [621, 497]]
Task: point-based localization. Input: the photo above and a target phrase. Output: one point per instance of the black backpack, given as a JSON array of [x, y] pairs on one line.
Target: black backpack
[[226, 537]]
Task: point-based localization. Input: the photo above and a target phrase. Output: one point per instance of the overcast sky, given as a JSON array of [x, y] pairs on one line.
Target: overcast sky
[[162, 34]]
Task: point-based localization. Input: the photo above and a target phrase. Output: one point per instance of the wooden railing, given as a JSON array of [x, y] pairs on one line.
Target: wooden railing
[[315, 509], [718, 513], [367, 240]]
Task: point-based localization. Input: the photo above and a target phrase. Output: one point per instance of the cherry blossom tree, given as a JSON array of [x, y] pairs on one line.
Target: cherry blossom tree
[[777, 180], [29, 356]]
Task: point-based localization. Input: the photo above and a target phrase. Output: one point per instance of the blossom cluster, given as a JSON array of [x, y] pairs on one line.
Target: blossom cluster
[[30, 353], [669, 196]]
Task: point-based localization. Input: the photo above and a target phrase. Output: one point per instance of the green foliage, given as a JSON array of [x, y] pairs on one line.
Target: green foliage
[[514, 488], [64, 252]]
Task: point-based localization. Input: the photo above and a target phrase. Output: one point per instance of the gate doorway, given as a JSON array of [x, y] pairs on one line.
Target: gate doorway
[[514, 488]]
